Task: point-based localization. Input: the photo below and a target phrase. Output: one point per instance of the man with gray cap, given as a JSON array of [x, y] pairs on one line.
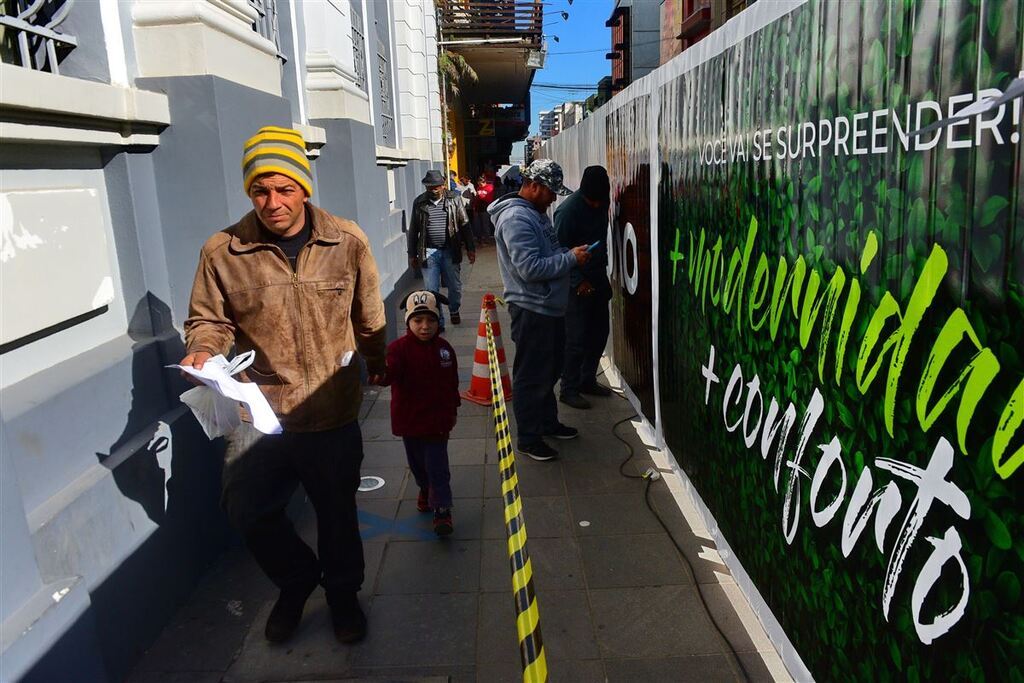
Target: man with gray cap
[[439, 229], [535, 271]]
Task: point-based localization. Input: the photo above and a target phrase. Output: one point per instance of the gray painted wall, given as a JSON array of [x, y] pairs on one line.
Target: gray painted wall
[[89, 59], [293, 46], [350, 184], [117, 487]]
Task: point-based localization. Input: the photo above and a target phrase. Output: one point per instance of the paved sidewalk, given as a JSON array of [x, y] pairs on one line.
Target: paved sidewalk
[[616, 601]]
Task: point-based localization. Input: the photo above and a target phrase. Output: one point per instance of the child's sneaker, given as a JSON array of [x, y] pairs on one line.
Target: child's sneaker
[[443, 522], [423, 500]]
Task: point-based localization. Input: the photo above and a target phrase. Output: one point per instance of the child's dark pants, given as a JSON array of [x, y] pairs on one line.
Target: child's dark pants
[[428, 460]]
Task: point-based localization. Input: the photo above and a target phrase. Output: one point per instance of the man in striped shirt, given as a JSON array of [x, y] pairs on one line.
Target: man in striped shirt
[[437, 234]]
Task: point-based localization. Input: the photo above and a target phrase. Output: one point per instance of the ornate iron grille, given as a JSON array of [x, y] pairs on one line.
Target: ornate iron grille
[[35, 40], [266, 21], [387, 118], [359, 52]]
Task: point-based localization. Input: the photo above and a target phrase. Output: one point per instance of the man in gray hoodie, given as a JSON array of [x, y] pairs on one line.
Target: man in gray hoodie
[[535, 271]]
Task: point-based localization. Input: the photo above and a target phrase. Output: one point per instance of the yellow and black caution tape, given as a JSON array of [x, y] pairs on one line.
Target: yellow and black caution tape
[[531, 646]]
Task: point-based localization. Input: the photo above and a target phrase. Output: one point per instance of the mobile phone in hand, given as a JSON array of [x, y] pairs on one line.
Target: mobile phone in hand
[[594, 246]]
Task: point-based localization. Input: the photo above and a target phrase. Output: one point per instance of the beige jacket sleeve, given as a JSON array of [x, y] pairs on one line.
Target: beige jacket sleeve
[[368, 321], [208, 327]]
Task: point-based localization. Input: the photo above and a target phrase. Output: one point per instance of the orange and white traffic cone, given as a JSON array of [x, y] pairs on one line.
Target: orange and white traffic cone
[[479, 391]]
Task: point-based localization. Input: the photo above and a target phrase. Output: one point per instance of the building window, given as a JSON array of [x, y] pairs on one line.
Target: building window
[[32, 37]]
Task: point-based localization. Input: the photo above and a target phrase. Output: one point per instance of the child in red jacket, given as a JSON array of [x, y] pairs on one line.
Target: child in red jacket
[[424, 378]]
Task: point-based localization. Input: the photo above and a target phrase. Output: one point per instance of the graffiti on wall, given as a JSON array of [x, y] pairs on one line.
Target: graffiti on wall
[[629, 263], [841, 328]]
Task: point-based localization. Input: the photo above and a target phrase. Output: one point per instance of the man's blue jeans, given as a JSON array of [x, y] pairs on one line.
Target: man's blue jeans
[[437, 265]]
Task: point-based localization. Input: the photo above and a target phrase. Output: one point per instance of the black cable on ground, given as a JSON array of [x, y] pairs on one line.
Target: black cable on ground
[[622, 465], [679, 549]]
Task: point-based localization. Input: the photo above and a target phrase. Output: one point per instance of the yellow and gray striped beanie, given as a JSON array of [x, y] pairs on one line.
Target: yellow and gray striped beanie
[[277, 150]]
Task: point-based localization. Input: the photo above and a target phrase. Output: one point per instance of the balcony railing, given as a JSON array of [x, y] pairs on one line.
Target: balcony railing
[[33, 25], [698, 22], [492, 19]]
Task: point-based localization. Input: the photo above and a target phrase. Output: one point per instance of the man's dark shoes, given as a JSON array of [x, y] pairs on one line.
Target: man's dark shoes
[[456, 319], [348, 619], [574, 401], [287, 613], [443, 522], [596, 389], [564, 432], [538, 450], [423, 500]]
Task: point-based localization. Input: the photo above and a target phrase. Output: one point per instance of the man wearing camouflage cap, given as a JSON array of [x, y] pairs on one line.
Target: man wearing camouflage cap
[[535, 271]]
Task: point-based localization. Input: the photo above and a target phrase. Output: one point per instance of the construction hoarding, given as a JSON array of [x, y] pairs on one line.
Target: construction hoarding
[[838, 320]]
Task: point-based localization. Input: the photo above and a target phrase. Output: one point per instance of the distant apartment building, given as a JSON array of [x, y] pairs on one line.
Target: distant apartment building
[[603, 94], [550, 123], [686, 22], [532, 149], [560, 117], [572, 113], [636, 34]]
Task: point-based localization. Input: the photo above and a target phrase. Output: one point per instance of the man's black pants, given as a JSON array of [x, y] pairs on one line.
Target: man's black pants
[[586, 333], [540, 347], [261, 472]]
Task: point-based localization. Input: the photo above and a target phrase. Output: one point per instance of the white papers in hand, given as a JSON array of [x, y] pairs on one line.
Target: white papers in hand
[[217, 375]]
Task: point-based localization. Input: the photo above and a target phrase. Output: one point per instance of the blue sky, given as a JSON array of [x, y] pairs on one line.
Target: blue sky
[[577, 58]]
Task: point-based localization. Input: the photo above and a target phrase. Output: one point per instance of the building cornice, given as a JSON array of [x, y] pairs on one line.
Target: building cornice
[[233, 18], [40, 107], [325, 72], [204, 37]]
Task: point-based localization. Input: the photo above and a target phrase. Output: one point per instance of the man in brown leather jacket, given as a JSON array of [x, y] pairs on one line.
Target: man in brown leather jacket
[[300, 287]]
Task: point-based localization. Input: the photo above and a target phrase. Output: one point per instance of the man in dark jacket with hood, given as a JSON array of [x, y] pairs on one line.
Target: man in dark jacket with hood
[[583, 219], [439, 229], [535, 270]]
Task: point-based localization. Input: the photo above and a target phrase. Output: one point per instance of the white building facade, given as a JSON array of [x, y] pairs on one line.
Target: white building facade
[[121, 132], [549, 122], [572, 113]]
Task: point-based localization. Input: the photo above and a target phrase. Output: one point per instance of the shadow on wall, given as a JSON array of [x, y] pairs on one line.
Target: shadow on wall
[[141, 458], [164, 462]]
